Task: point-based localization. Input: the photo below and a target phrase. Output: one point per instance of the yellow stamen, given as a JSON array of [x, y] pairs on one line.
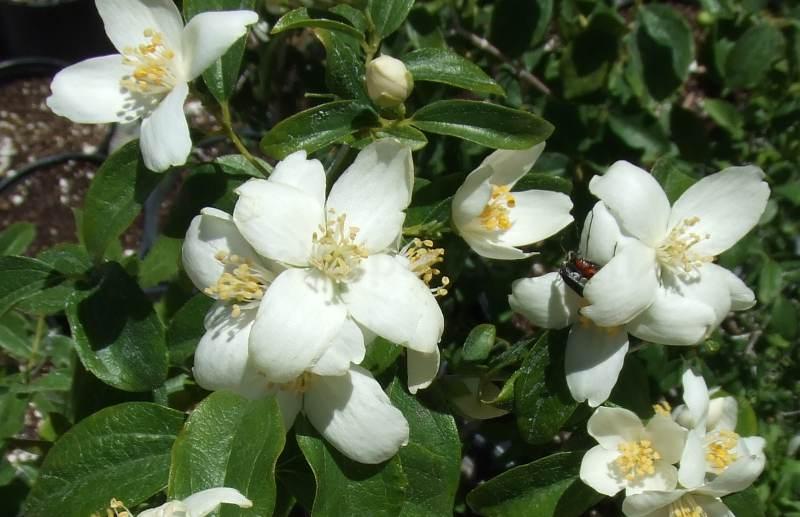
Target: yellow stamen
[[495, 215], [637, 459], [721, 449], [299, 386], [686, 507], [115, 509], [676, 250], [152, 68], [663, 408], [241, 283], [422, 258], [335, 251]]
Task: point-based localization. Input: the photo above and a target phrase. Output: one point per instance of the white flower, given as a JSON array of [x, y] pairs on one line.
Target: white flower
[[713, 448], [341, 272], [665, 258], [595, 354], [199, 504], [389, 83], [631, 456], [675, 503], [495, 221], [149, 78]]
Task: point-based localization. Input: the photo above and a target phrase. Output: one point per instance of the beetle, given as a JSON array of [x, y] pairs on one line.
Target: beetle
[[576, 271]]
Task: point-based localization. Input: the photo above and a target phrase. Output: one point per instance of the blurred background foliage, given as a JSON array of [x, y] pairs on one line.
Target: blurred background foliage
[[681, 88]]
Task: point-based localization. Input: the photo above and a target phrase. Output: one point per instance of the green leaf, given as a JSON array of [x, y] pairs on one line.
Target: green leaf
[[542, 402], [344, 65], [413, 138], [381, 354], [725, 115], [745, 503], [317, 127], [118, 336], [238, 165], [14, 342], [640, 132], [588, 58], [162, 261], [664, 38], [221, 77], [186, 328], [22, 277], [674, 175], [15, 239], [12, 414], [770, 280], [746, 419], [51, 300], [752, 56], [421, 480], [548, 487], [483, 123], [230, 441], [70, 260], [445, 66], [121, 452], [517, 25], [388, 15], [539, 181], [115, 198], [479, 343], [315, 18]]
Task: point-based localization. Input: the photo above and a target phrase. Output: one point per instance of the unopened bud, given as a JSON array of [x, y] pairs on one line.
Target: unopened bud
[[389, 83]]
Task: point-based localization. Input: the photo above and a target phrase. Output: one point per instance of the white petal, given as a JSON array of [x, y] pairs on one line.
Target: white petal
[[598, 471], [673, 320], [374, 191], [713, 506], [209, 35], [593, 361], [613, 426], [296, 323], [125, 22], [221, 361], [636, 199], [211, 232], [742, 297], [601, 236], [422, 369], [164, 137], [709, 286], [392, 302], [354, 414], [668, 438], [89, 92], [509, 166], [206, 501], [346, 347], [290, 404], [695, 394], [623, 288], [545, 301], [303, 174], [645, 504], [471, 197], [740, 475], [693, 466], [723, 413], [278, 220], [664, 478], [537, 215], [728, 203], [486, 245]]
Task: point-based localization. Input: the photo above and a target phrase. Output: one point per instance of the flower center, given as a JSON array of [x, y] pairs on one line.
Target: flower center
[[116, 508], [151, 62], [721, 450], [335, 252], [663, 408], [686, 507], [495, 214], [298, 386], [676, 250], [422, 258], [637, 459], [243, 283]]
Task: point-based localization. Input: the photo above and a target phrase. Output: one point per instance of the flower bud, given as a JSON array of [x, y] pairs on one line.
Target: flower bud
[[389, 83]]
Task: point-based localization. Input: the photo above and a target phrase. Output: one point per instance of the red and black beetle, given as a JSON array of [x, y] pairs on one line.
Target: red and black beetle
[[576, 271]]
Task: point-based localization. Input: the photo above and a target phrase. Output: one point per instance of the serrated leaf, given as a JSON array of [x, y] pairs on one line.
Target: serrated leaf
[[753, 55], [483, 123], [221, 77], [317, 127], [547, 487], [22, 277], [387, 15], [115, 197], [230, 441], [121, 452], [118, 335], [303, 17], [15, 239], [445, 66], [542, 402]]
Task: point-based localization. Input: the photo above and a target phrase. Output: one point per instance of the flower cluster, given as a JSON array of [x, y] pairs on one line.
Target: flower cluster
[[699, 435]]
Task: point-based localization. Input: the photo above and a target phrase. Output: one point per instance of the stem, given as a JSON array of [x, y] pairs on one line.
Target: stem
[[228, 125]]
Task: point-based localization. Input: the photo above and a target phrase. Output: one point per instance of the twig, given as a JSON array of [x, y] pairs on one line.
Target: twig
[[486, 46], [228, 125]]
